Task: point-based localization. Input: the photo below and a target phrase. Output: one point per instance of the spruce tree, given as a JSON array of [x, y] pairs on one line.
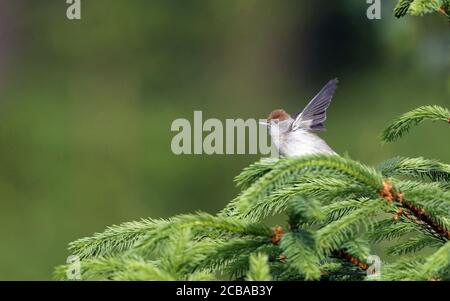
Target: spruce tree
[[337, 211]]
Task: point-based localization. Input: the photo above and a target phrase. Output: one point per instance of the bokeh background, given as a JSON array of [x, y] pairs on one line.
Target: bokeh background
[[86, 106]]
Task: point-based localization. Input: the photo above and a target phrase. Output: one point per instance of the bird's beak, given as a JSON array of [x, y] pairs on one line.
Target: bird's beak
[[263, 122]]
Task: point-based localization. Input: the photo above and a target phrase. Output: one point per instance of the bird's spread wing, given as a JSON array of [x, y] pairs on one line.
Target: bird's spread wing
[[314, 114]]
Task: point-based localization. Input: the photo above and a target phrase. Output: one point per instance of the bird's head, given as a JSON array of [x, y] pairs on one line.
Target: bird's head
[[279, 115], [280, 118]]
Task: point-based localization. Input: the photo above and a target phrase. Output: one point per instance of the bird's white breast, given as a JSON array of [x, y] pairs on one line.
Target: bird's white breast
[[302, 142]]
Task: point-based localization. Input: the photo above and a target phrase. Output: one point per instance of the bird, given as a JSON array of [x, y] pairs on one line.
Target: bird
[[297, 136]]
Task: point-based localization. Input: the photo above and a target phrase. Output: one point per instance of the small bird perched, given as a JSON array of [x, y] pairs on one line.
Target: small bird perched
[[296, 136]]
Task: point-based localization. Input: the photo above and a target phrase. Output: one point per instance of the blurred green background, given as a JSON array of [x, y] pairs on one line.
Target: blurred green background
[[86, 106]]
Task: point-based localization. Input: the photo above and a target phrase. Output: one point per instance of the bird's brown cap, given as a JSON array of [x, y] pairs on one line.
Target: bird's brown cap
[[278, 114]]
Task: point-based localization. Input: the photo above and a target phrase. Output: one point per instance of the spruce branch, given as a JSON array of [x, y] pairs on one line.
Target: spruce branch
[[298, 248], [419, 216], [402, 7], [429, 204], [204, 225], [177, 265], [435, 267], [421, 7], [421, 208], [239, 268], [185, 253], [406, 268], [229, 253], [354, 260], [308, 191], [336, 211], [292, 169], [253, 172], [388, 229], [332, 236], [414, 244], [115, 268], [402, 124], [354, 252], [437, 264], [358, 247], [115, 239], [300, 211], [416, 168], [259, 268]]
